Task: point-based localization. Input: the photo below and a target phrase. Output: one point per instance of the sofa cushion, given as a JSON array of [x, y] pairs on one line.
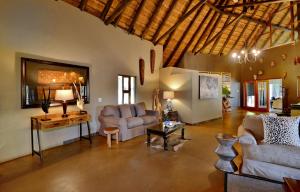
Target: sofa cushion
[[134, 122], [254, 124], [133, 112], [125, 111], [111, 110], [140, 109], [281, 130], [148, 119]]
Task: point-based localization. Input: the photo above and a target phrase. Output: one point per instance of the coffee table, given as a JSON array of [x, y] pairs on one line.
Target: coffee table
[[163, 131], [291, 185]]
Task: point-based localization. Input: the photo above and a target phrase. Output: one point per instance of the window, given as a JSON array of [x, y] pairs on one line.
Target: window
[[126, 89]]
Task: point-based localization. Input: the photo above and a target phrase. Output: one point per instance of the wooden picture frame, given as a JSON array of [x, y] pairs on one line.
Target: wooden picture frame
[[37, 75]]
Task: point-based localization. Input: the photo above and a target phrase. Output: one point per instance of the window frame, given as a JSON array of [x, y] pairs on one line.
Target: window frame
[[129, 91]]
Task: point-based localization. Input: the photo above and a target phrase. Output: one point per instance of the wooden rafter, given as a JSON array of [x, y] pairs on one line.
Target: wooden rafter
[[185, 9], [203, 32], [220, 33], [247, 18], [181, 19], [292, 21], [244, 29], [186, 31], [117, 11], [165, 18], [82, 4], [136, 16], [298, 20], [157, 8], [253, 3], [106, 9], [281, 32], [214, 25], [270, 18]]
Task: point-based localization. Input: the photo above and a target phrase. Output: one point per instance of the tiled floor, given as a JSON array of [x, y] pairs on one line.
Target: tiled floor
[[129, 166]]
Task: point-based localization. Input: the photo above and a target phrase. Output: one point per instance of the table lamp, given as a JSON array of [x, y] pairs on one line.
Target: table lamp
[[64, 96], [169, 95]]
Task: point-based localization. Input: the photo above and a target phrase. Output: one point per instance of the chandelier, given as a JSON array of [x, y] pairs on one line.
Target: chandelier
[[246, 55]]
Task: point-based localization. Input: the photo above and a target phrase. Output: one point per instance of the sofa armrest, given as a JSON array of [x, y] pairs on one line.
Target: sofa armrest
[[245, 137]]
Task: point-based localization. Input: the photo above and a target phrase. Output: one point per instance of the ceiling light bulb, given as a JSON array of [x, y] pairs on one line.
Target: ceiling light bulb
[[243, 52], [254, 51], [234, 55], [238, 56], [258, 52]]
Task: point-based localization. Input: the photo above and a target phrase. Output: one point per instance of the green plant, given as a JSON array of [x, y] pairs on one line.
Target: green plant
[[226, 91]]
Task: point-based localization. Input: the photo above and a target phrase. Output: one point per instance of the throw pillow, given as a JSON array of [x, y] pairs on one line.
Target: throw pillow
[[140, 109], [111, 110], [125, 111], [281, 130]]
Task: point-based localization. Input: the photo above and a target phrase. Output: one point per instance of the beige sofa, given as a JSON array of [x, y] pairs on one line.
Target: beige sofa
[[132, 120], [266, 160]]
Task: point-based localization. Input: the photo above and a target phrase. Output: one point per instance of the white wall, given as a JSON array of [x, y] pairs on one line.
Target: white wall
[[54, 30], [185, 83]]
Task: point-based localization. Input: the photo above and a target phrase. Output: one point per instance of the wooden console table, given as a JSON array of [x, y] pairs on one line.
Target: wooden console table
[[57, 121]]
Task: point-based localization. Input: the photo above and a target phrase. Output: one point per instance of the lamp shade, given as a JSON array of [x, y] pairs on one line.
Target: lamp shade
[[64, 95], [168, 94]]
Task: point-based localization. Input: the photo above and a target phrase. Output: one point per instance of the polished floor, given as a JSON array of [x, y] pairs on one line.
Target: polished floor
[[129, 166]]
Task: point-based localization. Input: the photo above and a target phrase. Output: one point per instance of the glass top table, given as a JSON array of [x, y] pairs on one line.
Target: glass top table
[[164, 131]]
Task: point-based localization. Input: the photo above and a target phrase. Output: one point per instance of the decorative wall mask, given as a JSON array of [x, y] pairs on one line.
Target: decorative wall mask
[[283, 57], [142, 71], [254, 77], [297, 60], [152, 60], [260, 72], [273, 64], [250, 68], [261, 60]]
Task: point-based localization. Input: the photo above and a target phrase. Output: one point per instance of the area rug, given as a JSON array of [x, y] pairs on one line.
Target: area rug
[[239, 183], [174, 142]]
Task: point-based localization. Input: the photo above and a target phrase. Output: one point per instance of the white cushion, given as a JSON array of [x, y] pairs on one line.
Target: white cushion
[[281, 130]]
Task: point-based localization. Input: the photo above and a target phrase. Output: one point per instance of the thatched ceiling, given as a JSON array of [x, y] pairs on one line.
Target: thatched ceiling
[[200, 26]]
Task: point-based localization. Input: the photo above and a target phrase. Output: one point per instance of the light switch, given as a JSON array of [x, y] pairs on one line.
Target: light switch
[[99, 100]]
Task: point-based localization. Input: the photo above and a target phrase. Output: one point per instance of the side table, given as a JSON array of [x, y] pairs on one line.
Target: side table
[[226, 152], [291, 185], [109, 131]]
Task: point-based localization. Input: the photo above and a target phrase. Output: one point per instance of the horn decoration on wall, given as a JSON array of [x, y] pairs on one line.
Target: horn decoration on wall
[[152, 60], [142, 71]]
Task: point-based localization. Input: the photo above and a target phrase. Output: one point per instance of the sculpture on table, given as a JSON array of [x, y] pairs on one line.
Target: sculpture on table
[[80, 99], [156, 105], [46, 104]]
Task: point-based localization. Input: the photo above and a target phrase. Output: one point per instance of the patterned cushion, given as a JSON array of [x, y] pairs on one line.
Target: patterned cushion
[[281, 130], [140, 109], [125, 111]]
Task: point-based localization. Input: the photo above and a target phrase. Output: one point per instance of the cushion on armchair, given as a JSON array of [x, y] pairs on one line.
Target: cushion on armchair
[[254, 124], [281, 130]]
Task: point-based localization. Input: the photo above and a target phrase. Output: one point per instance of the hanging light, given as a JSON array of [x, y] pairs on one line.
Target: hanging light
[[246, 55]]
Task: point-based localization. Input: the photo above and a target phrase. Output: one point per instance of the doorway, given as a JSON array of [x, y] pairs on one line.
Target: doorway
[[263, 95]]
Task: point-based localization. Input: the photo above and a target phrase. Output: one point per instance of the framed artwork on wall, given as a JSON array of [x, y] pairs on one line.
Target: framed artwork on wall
[[208, 87], [38, 75]]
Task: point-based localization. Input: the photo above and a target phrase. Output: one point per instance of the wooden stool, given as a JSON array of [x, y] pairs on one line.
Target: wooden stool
[[109, 131]]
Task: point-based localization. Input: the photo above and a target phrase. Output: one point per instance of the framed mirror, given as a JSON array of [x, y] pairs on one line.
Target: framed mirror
[[39, 75]]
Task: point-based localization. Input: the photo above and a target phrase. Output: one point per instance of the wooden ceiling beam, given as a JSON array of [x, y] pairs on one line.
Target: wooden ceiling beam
[[162, 23], [254, 3], [181, 19], [82, 4], [220, 33], [257, 21], [243, 31], [117, 11], [154, 13], [186, 31], [270, 18], [106, 9], [185, 9], [292, 21], [136, 16], [203, 32], [214, 26], [298, 20]]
